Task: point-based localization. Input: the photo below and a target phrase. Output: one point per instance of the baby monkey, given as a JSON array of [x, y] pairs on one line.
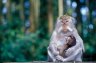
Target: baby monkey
[[71, 41]]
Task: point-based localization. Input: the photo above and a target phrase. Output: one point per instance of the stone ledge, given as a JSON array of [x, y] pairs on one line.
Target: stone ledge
[[48, 62]]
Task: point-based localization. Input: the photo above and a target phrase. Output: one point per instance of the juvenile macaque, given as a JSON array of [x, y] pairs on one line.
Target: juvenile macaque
[[71, 41]]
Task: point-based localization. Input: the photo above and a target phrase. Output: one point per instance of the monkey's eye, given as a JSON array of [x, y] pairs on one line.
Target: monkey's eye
[[62, 21]]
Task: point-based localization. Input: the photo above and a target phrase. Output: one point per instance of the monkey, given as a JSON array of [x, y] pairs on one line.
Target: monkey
[[63, 38], [71, 41]]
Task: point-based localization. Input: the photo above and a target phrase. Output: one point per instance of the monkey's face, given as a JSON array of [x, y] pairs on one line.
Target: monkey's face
[[71, 41], [65, 21]]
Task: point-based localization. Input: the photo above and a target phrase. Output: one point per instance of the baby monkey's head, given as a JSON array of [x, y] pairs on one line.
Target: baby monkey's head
[[71, 41]]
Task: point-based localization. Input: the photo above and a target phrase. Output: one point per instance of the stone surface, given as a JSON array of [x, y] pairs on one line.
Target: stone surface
[[48, 62]]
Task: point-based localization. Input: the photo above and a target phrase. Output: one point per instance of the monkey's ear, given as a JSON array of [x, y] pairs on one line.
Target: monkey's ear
[[73, 20]]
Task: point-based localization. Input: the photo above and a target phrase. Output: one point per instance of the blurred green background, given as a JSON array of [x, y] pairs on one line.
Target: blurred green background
[[26, 27]]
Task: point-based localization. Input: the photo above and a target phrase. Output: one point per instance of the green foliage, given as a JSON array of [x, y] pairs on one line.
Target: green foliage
[[16, 46]]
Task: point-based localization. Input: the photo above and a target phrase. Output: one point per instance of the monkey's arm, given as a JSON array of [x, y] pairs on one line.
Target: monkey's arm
[[52, 49], [63, 50], [54, 53], [73, 55]]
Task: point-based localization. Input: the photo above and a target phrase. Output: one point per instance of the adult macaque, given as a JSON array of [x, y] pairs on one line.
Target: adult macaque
[[66, 44]]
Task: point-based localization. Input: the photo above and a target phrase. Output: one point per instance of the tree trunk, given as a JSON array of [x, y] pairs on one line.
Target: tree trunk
[[60, 7], [8, 4], [22, 14], [36, 11], [34, 14], [31, 17], [22, 10], [50, 16]]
